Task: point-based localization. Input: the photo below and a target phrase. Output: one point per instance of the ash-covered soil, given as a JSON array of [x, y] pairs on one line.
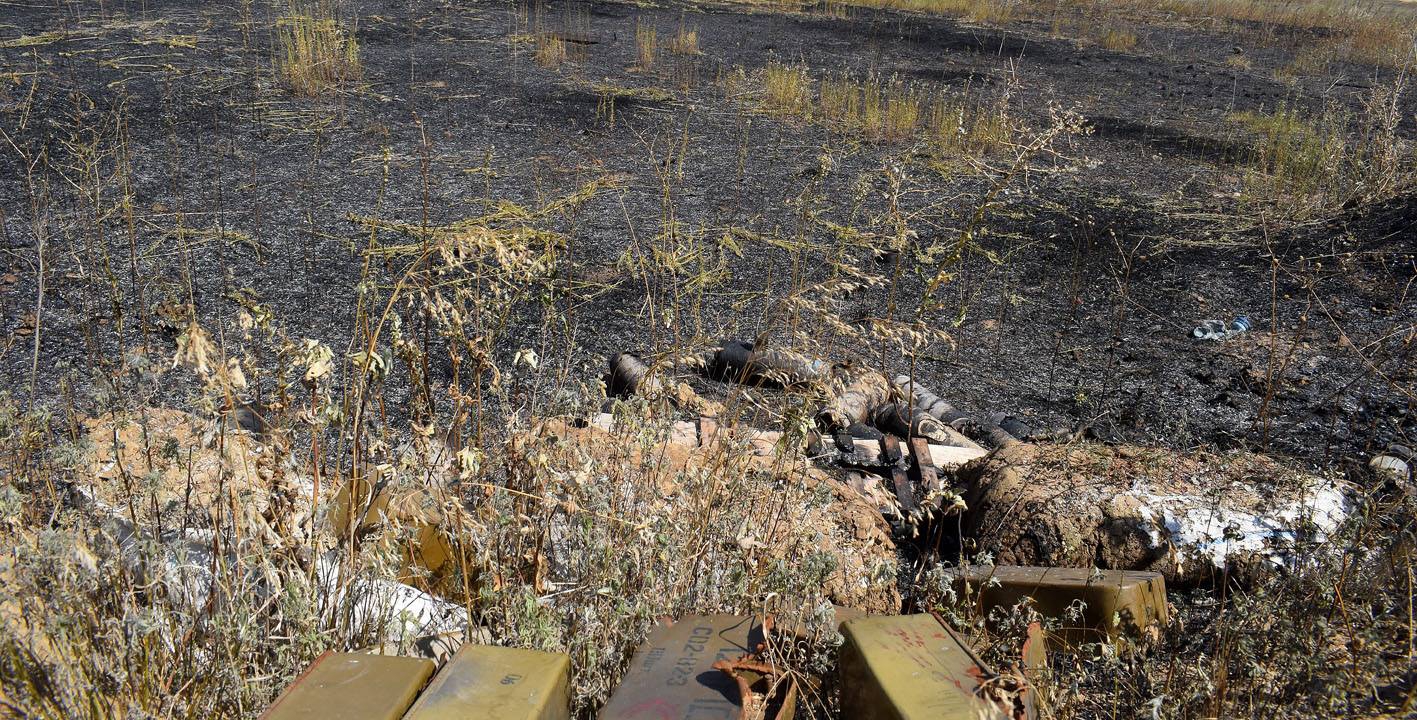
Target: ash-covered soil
[[1075, 310]]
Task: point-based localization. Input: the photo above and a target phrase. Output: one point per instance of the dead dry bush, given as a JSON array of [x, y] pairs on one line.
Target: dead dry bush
[[754, 478], [1309, 164], [624, 525]]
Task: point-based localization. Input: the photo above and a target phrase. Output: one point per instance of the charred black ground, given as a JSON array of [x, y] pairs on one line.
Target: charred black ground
[[1108, 253]]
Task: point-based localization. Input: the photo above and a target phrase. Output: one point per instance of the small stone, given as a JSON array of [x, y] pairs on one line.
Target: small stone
[[1389, 466]]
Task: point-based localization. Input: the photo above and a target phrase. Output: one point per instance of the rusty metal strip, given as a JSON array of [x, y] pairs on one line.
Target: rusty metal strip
[[779, 688]]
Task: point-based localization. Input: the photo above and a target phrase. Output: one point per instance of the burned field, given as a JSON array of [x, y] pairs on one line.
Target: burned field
[[1073, 303], [375, 249]]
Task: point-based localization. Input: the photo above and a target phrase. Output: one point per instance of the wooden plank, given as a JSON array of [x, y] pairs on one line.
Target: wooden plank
[[904, 493], [890, 449], [943, 457], [924, 466]]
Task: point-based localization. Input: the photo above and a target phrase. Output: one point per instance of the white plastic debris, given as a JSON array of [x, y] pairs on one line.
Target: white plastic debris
[[1208, 531], [386, 612], [1220, 330], [400, 613]]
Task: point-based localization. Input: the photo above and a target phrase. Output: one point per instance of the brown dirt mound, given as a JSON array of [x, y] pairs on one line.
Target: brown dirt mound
[[1187, 516], [165, 457]]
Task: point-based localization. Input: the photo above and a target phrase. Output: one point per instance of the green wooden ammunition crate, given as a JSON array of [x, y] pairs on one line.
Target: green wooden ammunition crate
[[907, 667], [353, 686], [1117, 601], [485, 682], [672, 676]]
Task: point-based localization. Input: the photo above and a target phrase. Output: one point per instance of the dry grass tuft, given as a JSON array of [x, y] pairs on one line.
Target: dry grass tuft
[[685, 41], [959, 127], [1310, 59], [1118, 39], [884, 109], [315, 52], [874, 108], [1295, 154], [1238, 61], [981, 11], [787, 90], [645, 45], [550, 50]]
